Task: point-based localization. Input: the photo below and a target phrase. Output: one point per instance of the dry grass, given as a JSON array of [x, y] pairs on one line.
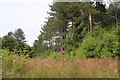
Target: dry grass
[[85, 68]]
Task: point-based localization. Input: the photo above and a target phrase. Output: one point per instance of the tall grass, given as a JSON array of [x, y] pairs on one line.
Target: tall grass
[[18, 67]]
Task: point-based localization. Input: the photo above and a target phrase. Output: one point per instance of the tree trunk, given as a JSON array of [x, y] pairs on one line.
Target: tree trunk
[[72, 22], [116, 20], [90, 22]]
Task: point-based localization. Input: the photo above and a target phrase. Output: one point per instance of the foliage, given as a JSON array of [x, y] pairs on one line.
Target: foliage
[[20, 38], [101, 43], [11, 64], [68, 25], [0, 43], [14, 40], [9, 42]]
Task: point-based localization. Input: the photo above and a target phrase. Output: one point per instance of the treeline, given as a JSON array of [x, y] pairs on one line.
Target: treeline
[[83, 30], [69, 25], [15, 42]]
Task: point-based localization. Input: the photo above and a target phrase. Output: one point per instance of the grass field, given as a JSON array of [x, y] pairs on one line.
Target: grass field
[[50, 68]]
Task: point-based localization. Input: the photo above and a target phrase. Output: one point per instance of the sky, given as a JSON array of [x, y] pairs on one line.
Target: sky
[[29, 15]]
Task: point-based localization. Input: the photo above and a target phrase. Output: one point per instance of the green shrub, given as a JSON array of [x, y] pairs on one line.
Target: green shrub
[[79, 54], [12, 64], [101, 43]]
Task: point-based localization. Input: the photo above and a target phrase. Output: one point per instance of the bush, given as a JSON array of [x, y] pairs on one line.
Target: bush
[[79, 54], [101, 43], [12, 64]]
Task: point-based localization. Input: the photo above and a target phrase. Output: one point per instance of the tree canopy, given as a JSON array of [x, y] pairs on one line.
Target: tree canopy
[[69, 23]]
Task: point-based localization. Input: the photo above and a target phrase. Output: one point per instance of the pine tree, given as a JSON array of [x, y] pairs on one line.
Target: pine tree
[[20, 38]]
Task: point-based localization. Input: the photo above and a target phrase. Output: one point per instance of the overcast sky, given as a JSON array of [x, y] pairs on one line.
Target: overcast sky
[[28, 15]]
